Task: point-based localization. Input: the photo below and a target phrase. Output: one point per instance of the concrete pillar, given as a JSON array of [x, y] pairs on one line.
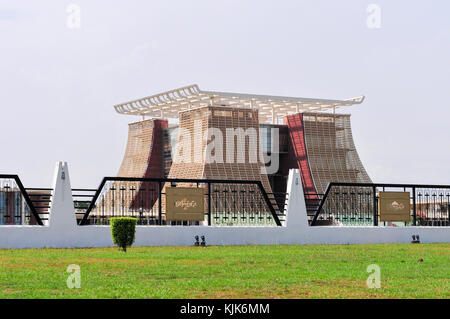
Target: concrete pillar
[[296, 207], [62, 213]]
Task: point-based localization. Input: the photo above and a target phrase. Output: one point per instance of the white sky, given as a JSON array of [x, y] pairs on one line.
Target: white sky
[[58, 85]]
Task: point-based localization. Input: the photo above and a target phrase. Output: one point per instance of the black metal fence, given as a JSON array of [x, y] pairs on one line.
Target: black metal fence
[[40, 199], [20, 206], [312, 201], [353, 204], [227, 202]]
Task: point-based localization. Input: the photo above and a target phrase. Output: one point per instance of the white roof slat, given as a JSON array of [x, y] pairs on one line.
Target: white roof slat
[[174, 101]]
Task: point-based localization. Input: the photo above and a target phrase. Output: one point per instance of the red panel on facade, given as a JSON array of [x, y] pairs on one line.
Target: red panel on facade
[[298, 147], [143, 197], [155, 158]]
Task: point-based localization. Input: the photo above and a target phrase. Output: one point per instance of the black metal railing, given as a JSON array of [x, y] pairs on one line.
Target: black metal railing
[[82, 198], [17, 205], [312, 201], [227, 202], [353, 204], [281, 200], [41, 198]]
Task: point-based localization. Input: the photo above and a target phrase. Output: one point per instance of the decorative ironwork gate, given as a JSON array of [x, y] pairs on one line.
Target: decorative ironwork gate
[[358, 204], [227, 202], [22, 206]]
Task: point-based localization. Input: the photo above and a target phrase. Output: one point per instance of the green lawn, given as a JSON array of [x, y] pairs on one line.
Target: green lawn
[[323, 271]]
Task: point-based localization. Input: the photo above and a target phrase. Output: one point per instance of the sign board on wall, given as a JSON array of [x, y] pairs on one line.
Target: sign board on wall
[[394, 206], [185, 204]]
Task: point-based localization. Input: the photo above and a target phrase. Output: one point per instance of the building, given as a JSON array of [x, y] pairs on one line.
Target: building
[[14, 209], [11, 207], [233, 136]]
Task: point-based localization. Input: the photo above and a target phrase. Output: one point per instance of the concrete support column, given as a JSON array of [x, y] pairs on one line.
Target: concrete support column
[[296, 216], [62, 212]]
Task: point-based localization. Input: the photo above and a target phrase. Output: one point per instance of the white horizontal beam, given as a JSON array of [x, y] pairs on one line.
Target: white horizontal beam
[[174, 101]]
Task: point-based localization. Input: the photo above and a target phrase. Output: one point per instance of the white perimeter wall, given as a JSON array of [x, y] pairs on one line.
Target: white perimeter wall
[[62, 231]]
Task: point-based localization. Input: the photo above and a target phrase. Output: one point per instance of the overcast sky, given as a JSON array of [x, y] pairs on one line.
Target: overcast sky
[[58, 84]]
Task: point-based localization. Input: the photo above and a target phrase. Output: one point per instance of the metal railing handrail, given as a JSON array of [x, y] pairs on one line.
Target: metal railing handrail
[[374, 186], [25, 196], [386, 185], [39, 189], [162, 181]]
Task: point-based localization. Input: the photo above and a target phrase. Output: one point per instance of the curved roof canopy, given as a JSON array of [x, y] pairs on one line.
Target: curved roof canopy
[[169, 104]]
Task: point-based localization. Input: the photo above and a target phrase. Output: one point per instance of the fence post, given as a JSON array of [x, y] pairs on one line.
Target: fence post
[[209, 204], [159, 203], [27, 200], [414, 206], [375, 212], [62, 211]]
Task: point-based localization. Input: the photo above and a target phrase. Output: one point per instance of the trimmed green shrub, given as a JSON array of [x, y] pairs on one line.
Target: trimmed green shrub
[[123, 230]]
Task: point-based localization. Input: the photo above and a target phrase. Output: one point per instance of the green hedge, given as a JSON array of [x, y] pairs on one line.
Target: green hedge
[[123, 230]]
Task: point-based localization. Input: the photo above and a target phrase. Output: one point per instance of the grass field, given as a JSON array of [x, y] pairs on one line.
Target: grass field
[[325, 271]]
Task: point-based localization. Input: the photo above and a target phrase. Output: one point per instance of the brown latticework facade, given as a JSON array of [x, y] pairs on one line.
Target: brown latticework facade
[[143, 154], [330, 149], [236, 166], [226, 160], [143, 158]]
